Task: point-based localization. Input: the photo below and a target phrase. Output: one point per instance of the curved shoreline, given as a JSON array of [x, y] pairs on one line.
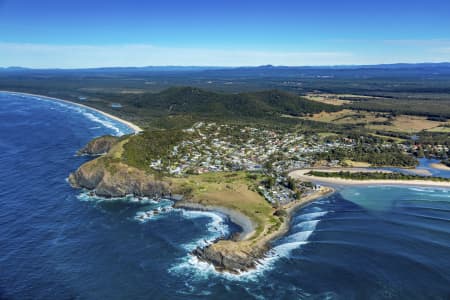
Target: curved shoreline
[[439, 166], [292, 207], [132, 126], [243, 254], [301, 174], [247, 226]]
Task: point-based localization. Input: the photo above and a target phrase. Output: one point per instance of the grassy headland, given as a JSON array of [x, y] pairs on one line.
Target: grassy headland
[[235, 193]]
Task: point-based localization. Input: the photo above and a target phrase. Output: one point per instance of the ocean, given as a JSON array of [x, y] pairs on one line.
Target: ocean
[[363, 242]]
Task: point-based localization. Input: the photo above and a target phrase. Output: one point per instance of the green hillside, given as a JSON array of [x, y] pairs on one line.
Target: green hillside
[[189, 100], [182, 106]]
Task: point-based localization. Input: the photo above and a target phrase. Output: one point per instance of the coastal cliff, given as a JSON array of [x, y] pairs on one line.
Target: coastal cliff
[[109, 177], [99, 146], [230, 193], [115, 179]]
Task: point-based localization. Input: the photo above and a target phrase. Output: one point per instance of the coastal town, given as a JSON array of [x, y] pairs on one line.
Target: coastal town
[[212, 147], [221, 148], [225, 149]]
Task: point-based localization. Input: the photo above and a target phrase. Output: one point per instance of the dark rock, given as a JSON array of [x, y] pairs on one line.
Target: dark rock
[[115, 179], [100, 145], [230, 260]]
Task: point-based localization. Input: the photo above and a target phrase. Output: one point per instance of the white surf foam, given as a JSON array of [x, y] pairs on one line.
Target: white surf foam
[[88, 113], [312, 216], [300, 236], [420, 190], [104, 122], [217, 228], [86, 196], [192, 267], [154, 213], [307, 225]]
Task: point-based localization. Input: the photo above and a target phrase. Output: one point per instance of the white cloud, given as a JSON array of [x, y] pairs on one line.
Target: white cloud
[[443, 50], [419, 42], [81, 56]]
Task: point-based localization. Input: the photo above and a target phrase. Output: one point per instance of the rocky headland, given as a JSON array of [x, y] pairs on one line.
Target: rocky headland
[[247, 250], [99, 146], [232, 194], [108, 176]]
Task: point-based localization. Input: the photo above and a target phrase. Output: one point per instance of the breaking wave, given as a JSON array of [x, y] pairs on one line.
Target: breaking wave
[[300, 233], [117, 127]]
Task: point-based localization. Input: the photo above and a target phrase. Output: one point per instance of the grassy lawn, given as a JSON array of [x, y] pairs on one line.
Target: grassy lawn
[[337, 99], [327, 98], [356, 164], [440, 129], [346, 116], [374, 120], [404, 123], [386, 137], [233, 190]]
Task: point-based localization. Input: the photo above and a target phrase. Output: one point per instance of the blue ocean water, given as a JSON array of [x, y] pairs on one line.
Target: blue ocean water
[[55, 243]]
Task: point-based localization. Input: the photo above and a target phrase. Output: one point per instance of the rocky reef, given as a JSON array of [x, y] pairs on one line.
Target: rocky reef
[[230, 256], [238, 253], [236, 256]]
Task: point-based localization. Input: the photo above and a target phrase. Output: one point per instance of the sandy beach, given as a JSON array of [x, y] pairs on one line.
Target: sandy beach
[[301, 174], [244, 253], [247, 226], [440, 166], [134, 127]]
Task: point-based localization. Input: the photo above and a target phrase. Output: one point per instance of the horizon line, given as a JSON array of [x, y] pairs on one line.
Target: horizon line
[[226, 67]]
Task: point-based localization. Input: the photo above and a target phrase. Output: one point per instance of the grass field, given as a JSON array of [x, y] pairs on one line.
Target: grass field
[[347, 116], [404, 123], [440, 129], [327, 98], [385, 137], [233, 190], [380, 121], [338, 99], [356, 164]]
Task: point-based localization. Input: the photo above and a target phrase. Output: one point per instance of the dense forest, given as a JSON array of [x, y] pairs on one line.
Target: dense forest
[[189, 100], [141, 149], [176, 97]]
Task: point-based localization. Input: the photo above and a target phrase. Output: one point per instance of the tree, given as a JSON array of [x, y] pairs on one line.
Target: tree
[[420, 153]]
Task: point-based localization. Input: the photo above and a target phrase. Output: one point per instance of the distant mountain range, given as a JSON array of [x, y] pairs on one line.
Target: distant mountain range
[[242, 68]]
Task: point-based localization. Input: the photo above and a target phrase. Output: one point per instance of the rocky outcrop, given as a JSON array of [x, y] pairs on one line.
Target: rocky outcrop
[[236, 256], [100, 145], [109, 178], [232, 257]]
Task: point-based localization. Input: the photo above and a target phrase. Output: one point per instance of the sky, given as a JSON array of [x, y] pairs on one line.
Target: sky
[[105, 33]]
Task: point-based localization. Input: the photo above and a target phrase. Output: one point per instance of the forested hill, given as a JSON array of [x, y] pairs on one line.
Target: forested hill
[[195, 101]]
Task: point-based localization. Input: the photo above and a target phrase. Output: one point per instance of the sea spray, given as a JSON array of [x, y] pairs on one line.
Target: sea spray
[[191, 266], [217, 227]]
